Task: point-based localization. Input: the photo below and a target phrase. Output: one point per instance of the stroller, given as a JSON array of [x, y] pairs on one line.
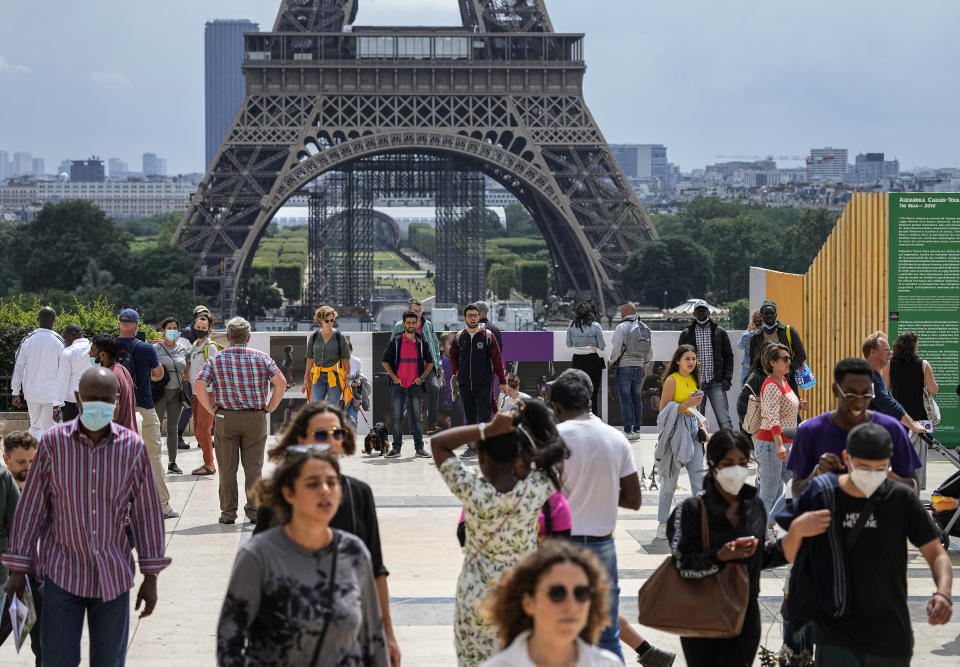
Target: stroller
[[945, 499]]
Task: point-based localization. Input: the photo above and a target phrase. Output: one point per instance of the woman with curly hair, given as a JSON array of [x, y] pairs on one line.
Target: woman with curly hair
[[519, 452], [328, 361], [550, 609], [585, 338]]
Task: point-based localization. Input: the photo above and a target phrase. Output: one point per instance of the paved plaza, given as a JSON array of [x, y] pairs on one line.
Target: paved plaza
[[418, 518]]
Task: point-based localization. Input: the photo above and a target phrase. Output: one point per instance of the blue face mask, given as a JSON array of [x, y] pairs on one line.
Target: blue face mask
[[172, 334], [96, 415]]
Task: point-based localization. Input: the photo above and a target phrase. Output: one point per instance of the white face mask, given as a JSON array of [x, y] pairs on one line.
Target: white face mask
[[731, 479], [867, 481]]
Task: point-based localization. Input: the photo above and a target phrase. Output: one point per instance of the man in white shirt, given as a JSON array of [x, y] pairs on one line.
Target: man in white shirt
[[74, 360], [35, 371]]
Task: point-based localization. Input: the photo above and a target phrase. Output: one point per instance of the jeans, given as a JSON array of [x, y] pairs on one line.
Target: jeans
[[413, 397], [322, 391], [353, 414], [718, 401], [695, 471], [168, 407], [606, 552], [773, 474], [629, 382], [432, 386], [477, 404], [62, 627]]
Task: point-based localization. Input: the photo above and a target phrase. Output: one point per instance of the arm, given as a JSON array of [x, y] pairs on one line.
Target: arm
[[455, 356], [383, 595], [148, 533], [688, 555], [808, 524], [929, 381], [940, 606], [279, 386], [799, 353], [63, 379], [443, 443], [19, 366], [29, 518], [240, 609], [203, 398], [569, 337], [616, 346], [667, 393], [372, 640], [307, 373], [883, 401], [630, 496], [727, 350], [156, 370], [601, 343]]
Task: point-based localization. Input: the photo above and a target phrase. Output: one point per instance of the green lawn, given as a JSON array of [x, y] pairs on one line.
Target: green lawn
[[388, 262], [421, 288]]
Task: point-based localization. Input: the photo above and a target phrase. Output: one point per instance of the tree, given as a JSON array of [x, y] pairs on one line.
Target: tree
[[671, 269], [739, 313], [737, 244], [262, 296], [534, 278], [519, 222], [501, 279]]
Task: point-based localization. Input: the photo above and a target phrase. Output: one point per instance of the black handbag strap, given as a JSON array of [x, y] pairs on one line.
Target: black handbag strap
[[865, 515], [704, 526], [328, 597], [179, 379]]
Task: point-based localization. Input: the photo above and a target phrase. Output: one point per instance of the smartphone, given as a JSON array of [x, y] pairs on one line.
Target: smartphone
[[697, 393], [744, 541]]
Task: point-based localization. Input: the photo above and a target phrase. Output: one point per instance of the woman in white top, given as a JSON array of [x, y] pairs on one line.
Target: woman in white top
[[585, 339], [510, 393], [550, 609]]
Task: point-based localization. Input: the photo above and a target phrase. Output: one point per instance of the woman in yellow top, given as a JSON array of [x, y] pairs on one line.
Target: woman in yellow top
[[681, 384]]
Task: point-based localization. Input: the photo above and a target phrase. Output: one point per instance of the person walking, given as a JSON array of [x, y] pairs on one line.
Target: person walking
[[203, 348], [495, 330], [715, 356], [84, 547], [356, 388], [773, 330], [104, 350], [629, 354], [141, 361], [434, 381], [172, 353], [876, 350], [74, 360], [735, 516], [585, 338], [500, 507], [408, 362], [328, 361], [475, 364], [744, 344], [19, 450], [678, 442], [779, 406], [239, 378], [908, 376], [858, 602], [302, 593], [550, 609], [35, 372], [188, 334]]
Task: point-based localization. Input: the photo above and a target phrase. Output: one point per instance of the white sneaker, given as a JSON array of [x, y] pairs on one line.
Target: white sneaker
[[633, 435], [661, 531]]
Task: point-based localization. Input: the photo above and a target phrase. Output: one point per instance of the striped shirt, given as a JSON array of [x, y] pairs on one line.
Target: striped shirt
[[75, 504], [239, 378]]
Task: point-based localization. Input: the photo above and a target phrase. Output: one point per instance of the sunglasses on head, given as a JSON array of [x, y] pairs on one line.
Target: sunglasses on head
[[306, 449], [558, 593]]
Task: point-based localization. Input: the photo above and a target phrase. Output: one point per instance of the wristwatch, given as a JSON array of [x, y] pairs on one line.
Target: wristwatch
[[482, 426]]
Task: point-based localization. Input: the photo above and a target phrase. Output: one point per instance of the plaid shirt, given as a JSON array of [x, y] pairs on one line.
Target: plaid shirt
[[704, 352], [240, 378]]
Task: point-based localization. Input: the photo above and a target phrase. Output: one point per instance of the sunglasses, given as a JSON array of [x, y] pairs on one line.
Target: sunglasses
[[328, 321], [558, 593], [786, 357], [306, 449], [854, 397], [320, 436]]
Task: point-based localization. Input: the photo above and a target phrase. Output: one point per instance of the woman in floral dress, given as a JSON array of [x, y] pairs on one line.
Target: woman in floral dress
[[501, 504]]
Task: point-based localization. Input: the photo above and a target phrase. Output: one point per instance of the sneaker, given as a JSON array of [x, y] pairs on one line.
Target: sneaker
[[471, 453], [171, 514], [174, 468], [434, 428], [661, 531], [772, 535], [422, 453], [227, 522], [634, 435], [182, 445], [655, 657], [393, 454]]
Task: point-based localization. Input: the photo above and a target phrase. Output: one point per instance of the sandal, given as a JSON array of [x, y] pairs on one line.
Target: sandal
[[204, 470]]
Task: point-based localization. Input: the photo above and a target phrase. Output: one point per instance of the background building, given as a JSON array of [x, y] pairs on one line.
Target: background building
[[223, 78], [22, 164], [118, 199], [872, 168], [39, 166], [827, 165], [117, 168], [153, 165], [4, 165], [87, 171], [644, 161]]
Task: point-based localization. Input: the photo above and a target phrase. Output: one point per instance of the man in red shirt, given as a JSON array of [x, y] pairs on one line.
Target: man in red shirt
[[408, 361], [104, 349]]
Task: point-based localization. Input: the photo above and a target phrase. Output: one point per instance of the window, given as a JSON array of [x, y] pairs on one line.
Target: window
[[452, 47], [375, 47], [413, 47]]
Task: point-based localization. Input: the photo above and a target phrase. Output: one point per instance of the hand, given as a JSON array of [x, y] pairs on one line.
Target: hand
[[16, 584], [693, 401], [939, 610], [147, 595], [213, 409], [782, 453], [735, 551], [916, 426], [830, 462], [56, 414], [418, 381], [726, 385], [803, 404], [393, 650], [501, 424], [16, 401], [306, 385], [810, 524]]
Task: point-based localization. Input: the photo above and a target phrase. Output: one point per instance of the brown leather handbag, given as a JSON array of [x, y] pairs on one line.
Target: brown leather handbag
[[712, 606]]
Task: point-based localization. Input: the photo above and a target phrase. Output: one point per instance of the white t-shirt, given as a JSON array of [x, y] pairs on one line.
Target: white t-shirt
[[600, 456], [518, 655]]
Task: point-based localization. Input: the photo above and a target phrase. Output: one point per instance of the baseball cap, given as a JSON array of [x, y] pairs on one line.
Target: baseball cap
[[482, 306], [200, 309], [700, 303], [870, 441], [129, 315]]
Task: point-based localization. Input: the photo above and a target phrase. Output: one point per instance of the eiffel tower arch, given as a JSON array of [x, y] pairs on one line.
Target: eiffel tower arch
[[503, 91]]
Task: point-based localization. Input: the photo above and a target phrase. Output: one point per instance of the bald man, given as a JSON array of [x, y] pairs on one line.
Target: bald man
[[86, 475], [35, 372]]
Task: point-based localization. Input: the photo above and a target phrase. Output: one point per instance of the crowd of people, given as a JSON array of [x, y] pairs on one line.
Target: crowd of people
[[835, 494]]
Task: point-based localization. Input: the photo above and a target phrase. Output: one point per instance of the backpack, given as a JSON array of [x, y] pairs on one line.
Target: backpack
[[638, 341], [125, 358]]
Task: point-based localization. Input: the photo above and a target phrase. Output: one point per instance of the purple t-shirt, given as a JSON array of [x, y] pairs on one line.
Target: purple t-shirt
[[820, 435]]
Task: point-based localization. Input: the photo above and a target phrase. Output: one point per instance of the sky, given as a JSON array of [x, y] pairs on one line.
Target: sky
[[117, 78]]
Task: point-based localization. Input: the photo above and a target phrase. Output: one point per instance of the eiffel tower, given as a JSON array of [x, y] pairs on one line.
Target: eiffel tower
[[503, 93]]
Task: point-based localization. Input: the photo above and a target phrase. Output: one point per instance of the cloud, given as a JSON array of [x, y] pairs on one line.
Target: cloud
[[10, 67], [110, 78]]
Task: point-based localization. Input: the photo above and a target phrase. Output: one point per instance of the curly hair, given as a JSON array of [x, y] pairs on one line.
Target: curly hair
[[584, 314], [674, 365], [270, 491], [107, 344], [323, 312], [535, 440], [15, 439], [905, 347], [298, 429], [503, 605]]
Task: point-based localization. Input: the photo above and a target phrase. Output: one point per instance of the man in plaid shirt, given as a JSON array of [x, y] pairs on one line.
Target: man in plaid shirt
[[239, 379]]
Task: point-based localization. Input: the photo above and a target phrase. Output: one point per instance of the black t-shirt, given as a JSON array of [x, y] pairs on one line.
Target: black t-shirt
[[880, 621]]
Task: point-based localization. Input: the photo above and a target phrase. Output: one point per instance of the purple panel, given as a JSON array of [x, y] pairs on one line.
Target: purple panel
[[528, 345]]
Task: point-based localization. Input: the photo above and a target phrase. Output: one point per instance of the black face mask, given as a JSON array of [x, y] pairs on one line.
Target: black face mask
[[201, 334]]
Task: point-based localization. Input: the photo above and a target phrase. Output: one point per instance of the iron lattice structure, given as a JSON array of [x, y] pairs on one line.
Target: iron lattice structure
[[503, 92]]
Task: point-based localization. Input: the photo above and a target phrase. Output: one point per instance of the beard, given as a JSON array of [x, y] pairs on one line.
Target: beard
[[20, 476]]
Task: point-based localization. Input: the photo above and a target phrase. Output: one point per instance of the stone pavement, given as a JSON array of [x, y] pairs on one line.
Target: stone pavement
[[418, 518]]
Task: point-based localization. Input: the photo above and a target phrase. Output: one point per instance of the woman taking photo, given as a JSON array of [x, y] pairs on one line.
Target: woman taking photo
[[302, 593], [678, 442], [907, 376], [501, 504], [585, 338], [172, 353], [735, 517], [779, 406], [328, 360], [322, 424], [550, 609]]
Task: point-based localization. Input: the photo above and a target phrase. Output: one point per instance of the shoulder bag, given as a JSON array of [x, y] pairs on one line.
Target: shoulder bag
[[751, 420], [712, 607], [328, 599]]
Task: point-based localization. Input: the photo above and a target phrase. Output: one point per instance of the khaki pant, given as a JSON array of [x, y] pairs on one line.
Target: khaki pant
[[151, 438], [241, 439]]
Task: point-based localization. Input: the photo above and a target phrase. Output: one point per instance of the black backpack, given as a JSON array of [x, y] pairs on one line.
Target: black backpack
[[125, 358]]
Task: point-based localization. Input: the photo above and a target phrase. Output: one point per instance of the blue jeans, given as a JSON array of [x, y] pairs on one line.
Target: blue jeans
[[695, 471], [629, 382], [718, 401], [62, 626], [322, 391], [606, 552], [413, 397], [773, 474]]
